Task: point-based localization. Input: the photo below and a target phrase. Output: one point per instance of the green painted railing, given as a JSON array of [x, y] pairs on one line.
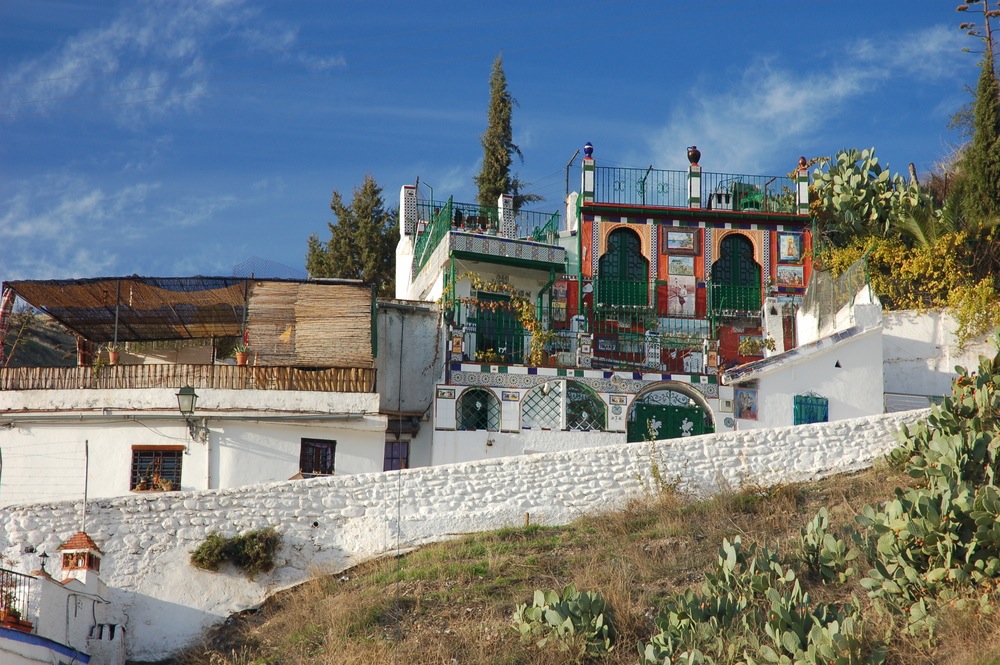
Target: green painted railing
[[742, 300], [537, 226], [652, 187], [430, 236], [747, 193], [719, 191]]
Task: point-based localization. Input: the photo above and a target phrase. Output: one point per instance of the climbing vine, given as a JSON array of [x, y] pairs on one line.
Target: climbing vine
[[519, 304]]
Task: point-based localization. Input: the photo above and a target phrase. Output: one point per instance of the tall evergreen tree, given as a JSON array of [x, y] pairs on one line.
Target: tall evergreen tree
[[495, 177], [982, 159], [980, 190], [362, 242]]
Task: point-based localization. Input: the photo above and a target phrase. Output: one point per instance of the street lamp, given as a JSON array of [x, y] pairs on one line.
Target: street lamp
[[187, 399]]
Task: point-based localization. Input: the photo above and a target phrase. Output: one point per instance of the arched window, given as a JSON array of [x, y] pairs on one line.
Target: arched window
[[585, 411], [478, 408], [736, 281], [542, 407], [563, 405], [623, 272]]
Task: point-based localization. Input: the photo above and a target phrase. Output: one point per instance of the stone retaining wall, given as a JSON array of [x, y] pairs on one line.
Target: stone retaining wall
[[328, 524]]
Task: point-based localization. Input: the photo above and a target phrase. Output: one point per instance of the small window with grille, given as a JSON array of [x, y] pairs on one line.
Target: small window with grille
[[811, 408], [478, 408], [317, 457], [156, 468]]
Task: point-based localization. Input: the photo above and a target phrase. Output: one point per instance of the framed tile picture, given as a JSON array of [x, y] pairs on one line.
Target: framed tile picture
[[681, 265], [679, 242], [789, 248], [745, 403], [790, 276]]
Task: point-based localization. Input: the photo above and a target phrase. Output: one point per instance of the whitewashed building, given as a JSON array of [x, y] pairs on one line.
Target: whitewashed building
[[169, 413]]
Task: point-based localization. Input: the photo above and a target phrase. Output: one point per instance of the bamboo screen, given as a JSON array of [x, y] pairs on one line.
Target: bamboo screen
[[312, 324]]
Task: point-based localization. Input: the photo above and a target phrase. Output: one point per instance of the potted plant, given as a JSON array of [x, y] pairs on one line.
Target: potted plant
[[242, 352], [8, 606], [114, 353]]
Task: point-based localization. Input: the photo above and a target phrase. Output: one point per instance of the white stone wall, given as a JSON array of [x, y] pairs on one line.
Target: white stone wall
[[920, 352], [848, 374], [328, 524]]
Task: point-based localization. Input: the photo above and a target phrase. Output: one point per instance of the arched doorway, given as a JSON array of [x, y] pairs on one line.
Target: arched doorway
[[669, 411], [623, 271], [736, 283]]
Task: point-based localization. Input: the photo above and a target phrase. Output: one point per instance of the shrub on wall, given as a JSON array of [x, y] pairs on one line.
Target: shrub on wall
[[253, 552]]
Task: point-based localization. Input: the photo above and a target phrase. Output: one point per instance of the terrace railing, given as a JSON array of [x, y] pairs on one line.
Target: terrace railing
[[15, 589], [747, 193], [227, 377], [646, 187], [724, 299], [430, 234], [537, 226], [719, 191]]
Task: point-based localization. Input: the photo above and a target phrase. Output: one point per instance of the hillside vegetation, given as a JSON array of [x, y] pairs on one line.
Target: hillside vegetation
[[35, 340], [846, 570]]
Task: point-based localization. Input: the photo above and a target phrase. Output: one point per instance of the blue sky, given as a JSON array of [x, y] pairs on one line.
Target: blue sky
[[185, 137]]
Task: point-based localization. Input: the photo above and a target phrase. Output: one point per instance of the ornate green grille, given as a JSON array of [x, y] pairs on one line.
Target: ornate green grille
[[542, 407], [584, 409], [811, 409], [478, 408]]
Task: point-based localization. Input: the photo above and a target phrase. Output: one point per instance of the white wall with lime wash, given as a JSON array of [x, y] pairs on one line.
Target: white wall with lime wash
[[921, 352], [854, 389], [330, 523], [255, 436]]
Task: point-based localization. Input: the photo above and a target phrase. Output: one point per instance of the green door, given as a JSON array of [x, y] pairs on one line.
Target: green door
[[498, 332], [623, 272], [736, 281], [661, 421]]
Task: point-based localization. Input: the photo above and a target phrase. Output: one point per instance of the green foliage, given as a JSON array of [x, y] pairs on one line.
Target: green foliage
[[495, 177], [980, 165], [823, 554], [940, 541], [572, 621], [362, 243], [749, 596], [946, 274], [253, 552], [857, 197]]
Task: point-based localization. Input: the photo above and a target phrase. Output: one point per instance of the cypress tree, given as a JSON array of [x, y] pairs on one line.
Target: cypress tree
[[362, 243], [982, 159], [495, 176], [976, 196]]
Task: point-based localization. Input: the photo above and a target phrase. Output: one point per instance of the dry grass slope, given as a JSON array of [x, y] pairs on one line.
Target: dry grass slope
[[452, 602]]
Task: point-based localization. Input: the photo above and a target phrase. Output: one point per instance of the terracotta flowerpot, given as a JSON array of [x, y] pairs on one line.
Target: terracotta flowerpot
[[241, 358], [113, 357]]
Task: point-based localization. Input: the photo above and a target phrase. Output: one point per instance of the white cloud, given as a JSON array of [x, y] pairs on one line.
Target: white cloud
[[65, 226], [153, 59], [751, 125]]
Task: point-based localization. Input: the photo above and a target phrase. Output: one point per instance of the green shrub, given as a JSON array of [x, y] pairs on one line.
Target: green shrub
[[938, 542], [823, 554], [574, 620], [211, 553], [253, 552]]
